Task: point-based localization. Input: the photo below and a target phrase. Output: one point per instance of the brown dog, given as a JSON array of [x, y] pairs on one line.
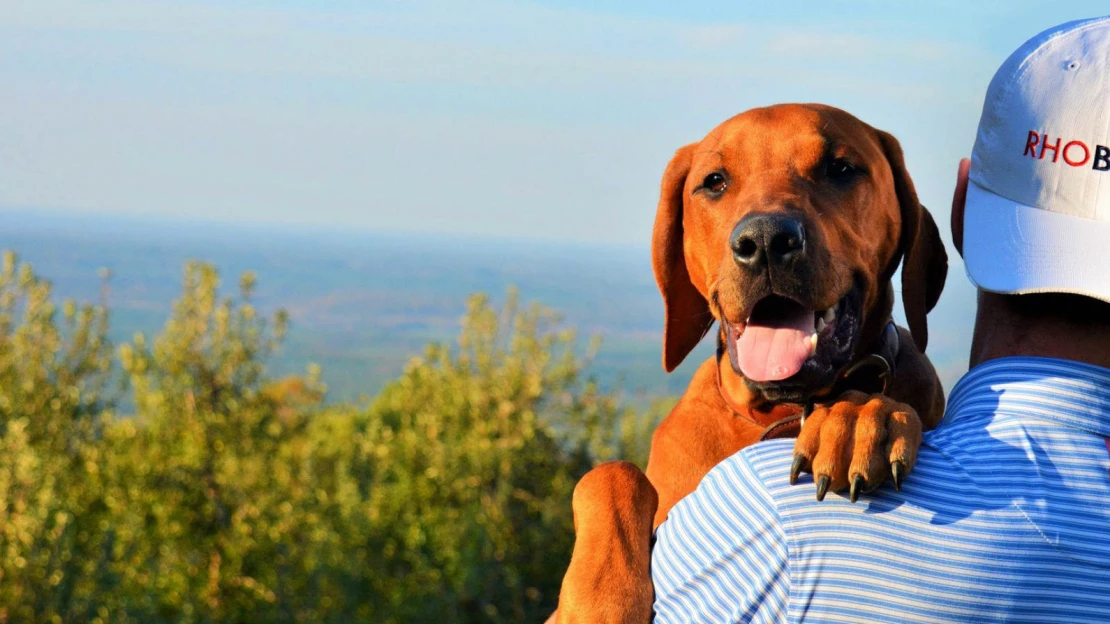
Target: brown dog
[[785, 225]]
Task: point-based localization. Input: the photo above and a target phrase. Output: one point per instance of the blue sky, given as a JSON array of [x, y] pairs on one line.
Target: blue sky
[[548, 120]]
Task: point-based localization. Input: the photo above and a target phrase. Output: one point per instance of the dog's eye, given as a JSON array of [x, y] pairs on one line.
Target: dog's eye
[[840, 170], [715, 182]]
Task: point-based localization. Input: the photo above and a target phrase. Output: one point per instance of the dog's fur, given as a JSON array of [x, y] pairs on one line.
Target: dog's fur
[[847, 184]]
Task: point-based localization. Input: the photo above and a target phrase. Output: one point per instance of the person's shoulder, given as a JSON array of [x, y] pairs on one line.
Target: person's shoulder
[[769, 453], [763, 467], [738, 497]]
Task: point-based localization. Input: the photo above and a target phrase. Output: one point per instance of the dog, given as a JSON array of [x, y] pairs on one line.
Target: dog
[[784, 226]]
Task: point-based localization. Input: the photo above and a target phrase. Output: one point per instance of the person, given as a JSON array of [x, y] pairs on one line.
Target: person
[[1006, 515]]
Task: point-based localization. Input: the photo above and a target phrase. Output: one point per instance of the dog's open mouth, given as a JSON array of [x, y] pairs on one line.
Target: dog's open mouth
[[785, 341], [777, 339]]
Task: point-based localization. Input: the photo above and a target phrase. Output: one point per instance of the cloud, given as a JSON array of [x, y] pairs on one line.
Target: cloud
[[517, 46]]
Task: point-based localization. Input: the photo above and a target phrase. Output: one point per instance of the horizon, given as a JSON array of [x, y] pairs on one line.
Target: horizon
[[318, 275], [497, 126], [33, 217]]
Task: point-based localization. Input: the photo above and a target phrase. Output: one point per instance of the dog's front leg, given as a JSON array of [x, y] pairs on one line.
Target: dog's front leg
[[856, 443], [609, 578]]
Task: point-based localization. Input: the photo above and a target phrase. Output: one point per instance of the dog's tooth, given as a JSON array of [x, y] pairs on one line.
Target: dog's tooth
[[820, 325], [813, 344], [830, 314]]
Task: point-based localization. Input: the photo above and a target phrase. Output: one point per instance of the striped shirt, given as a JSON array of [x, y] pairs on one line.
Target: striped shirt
[[1006, 516]]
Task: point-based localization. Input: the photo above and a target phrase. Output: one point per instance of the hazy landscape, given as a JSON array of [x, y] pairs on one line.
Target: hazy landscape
[[210, 487], [362, 304]]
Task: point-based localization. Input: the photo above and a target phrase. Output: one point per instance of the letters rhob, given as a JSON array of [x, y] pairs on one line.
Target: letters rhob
[[1074, 153]]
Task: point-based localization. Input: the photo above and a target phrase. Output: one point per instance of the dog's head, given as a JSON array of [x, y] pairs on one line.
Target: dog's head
[[786, 224]]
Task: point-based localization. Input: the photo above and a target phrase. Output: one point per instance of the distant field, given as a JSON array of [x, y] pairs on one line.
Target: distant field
[[363, 304]]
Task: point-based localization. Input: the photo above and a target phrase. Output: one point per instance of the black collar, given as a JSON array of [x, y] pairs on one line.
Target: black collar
[[871, 374]]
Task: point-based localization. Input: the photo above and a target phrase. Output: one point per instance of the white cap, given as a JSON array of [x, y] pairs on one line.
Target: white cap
[[1038, 205]]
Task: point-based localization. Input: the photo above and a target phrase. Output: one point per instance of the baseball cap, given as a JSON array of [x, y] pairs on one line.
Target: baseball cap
[[1037, 217]]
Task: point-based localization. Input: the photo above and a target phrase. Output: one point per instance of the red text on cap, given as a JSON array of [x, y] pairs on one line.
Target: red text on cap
[[1070, 151]]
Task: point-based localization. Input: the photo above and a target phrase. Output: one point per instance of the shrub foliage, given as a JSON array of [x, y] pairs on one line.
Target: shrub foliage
[[224, 495]]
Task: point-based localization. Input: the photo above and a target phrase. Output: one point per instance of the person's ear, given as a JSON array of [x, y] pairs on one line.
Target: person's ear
[[959, 201]]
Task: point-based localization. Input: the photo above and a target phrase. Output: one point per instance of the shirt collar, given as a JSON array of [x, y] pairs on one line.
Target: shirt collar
[[1071, 393]]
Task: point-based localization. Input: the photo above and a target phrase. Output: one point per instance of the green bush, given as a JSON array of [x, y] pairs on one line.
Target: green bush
[[228, 496]]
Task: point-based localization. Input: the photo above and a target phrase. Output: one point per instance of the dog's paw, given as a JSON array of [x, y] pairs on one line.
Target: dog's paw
[[856, 443]]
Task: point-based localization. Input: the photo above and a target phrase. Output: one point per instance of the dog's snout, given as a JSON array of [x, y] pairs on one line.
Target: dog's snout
[[767, 238]]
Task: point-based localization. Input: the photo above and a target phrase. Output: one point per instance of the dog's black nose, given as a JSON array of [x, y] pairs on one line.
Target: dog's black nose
[[767, 238]]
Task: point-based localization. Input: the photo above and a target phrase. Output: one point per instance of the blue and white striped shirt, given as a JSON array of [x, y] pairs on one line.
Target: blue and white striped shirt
[[1006, 516]]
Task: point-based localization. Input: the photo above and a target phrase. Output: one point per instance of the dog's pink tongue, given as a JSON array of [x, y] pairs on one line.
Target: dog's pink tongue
[[770, 350]]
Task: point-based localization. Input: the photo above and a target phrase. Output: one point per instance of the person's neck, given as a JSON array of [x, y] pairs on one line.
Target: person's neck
[[1003, 331]]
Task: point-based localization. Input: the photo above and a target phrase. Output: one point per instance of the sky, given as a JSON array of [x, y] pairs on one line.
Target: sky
[[526, 120]]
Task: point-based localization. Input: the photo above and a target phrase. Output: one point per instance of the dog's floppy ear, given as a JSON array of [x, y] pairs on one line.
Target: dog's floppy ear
[[924, 261], [687, 312]]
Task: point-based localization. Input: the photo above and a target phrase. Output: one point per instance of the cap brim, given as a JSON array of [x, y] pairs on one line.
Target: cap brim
[[1014, 249]]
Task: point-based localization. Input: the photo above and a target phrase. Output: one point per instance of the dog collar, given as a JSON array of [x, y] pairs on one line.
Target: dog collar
[[871, 374]]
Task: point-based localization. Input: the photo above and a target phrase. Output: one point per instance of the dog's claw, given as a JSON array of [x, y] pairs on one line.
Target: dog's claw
[[857, 485], [898, 470], [796, 468], [822, 487]]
